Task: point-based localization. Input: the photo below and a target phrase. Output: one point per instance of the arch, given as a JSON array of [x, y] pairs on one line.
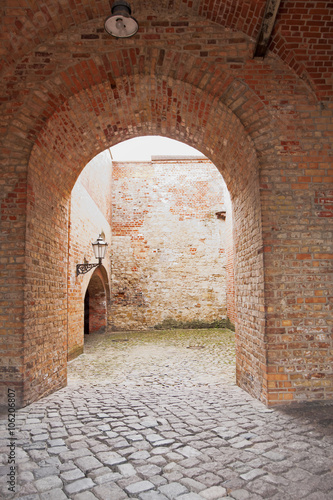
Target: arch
[[87, 309], [96, 305], [148, 106], [155, 106]]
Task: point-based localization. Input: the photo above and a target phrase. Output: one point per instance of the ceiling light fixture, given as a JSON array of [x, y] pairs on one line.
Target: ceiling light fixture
[[121, 24]]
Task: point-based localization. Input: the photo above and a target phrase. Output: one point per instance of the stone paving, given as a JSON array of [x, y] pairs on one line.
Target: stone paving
[[130, 437], [171, 358]]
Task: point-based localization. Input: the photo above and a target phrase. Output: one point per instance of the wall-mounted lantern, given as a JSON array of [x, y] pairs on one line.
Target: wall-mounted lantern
[[99, 248], [121, 24]]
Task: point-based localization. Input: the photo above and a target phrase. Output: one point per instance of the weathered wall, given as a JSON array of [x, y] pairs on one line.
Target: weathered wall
[[168, 246]]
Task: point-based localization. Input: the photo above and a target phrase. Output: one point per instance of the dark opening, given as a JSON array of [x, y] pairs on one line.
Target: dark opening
[[86, 313]]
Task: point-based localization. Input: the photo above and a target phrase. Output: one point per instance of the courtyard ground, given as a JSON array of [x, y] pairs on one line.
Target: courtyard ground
[[168, 358], [157, 416]]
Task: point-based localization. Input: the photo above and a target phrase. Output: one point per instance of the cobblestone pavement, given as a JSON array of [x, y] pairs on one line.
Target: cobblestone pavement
[[132, 437], [170, 358]]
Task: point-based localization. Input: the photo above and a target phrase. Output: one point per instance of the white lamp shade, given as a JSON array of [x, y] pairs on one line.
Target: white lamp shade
[[121, 26]]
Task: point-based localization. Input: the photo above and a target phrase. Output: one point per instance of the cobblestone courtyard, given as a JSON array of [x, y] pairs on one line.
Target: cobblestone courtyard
[[167, 358], [159, 417]]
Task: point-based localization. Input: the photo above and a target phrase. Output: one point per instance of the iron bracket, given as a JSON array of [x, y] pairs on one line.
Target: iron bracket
[[85, 268]]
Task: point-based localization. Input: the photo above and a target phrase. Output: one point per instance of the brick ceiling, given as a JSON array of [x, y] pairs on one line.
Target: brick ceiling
[[302, 36]]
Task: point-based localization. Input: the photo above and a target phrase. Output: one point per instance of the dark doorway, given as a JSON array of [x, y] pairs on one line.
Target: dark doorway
[[95, 306], [86, 313]]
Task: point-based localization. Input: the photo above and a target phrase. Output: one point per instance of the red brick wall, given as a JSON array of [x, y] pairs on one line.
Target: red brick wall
[[168, 246], [298, 262], [13, 194], [45, 325], [266, 125]]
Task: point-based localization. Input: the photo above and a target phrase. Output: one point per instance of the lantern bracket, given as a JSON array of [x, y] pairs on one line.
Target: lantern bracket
[[85, 268]]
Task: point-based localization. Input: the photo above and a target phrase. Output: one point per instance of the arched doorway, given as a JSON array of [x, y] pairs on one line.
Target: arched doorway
[[233, 153], [95, 306]]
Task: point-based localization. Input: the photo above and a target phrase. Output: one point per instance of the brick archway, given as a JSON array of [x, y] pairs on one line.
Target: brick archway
[[72, 92], [218, 133]]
